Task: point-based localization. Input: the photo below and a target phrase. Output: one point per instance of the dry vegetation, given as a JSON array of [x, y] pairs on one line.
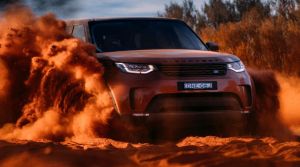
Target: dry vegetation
[[264, 34]]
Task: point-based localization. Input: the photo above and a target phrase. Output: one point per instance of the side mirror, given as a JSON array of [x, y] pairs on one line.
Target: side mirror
[[212, 46]]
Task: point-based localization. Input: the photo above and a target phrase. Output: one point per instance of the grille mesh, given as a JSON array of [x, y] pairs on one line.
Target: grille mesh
[[190, 70]]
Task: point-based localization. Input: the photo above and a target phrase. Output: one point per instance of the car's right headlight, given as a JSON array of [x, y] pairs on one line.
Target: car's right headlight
[[237, 66], [135, 68]]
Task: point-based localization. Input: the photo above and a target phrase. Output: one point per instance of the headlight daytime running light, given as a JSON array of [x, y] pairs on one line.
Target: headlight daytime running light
[[236, 66], [134, 68]]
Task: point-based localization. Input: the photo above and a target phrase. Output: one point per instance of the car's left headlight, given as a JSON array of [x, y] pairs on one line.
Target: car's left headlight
[[135, 68], [237, 66]]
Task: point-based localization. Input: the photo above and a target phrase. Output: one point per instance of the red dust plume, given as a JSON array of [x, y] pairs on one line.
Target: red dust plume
[[276, 104], [50, 83]]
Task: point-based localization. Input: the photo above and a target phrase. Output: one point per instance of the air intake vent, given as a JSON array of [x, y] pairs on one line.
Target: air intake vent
[[191, 70]]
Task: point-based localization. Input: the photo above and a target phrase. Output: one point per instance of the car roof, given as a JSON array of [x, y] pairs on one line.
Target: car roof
[[84, 21]]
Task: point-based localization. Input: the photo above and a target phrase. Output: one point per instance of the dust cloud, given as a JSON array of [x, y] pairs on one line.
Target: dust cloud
[[276, 108], [289, 102], [51, 83]]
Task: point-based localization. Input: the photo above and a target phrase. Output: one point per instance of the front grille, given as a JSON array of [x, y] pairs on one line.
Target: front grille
[[190, 70]]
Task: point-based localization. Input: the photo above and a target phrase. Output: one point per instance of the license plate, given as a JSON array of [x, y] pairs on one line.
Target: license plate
[[207, 85]]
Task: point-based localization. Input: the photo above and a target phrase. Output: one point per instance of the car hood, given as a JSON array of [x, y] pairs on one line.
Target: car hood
[[168, 56]]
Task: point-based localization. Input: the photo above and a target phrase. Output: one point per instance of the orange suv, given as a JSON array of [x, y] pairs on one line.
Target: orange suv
[[159, 68]]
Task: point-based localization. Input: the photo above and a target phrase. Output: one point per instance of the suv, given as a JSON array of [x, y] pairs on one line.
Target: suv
[[158, 68]]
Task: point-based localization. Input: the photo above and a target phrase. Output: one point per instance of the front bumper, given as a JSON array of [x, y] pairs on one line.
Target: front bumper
[[133, 94]]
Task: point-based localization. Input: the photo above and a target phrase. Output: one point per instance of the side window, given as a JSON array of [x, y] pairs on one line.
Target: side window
[[69, 29], [79, 32]]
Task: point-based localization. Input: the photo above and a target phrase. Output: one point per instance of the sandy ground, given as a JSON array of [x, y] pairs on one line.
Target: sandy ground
[[191, 151]]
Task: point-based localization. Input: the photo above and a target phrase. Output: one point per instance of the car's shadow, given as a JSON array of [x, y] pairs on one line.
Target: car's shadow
[[161, 132], [164, 131]]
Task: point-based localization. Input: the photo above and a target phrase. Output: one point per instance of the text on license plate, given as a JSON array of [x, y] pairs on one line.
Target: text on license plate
[[197, 85]]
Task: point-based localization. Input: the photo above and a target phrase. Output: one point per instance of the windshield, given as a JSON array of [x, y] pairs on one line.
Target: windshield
[[120, 35]]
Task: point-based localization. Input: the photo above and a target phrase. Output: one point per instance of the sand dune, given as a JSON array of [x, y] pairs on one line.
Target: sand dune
[[191, 151]]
